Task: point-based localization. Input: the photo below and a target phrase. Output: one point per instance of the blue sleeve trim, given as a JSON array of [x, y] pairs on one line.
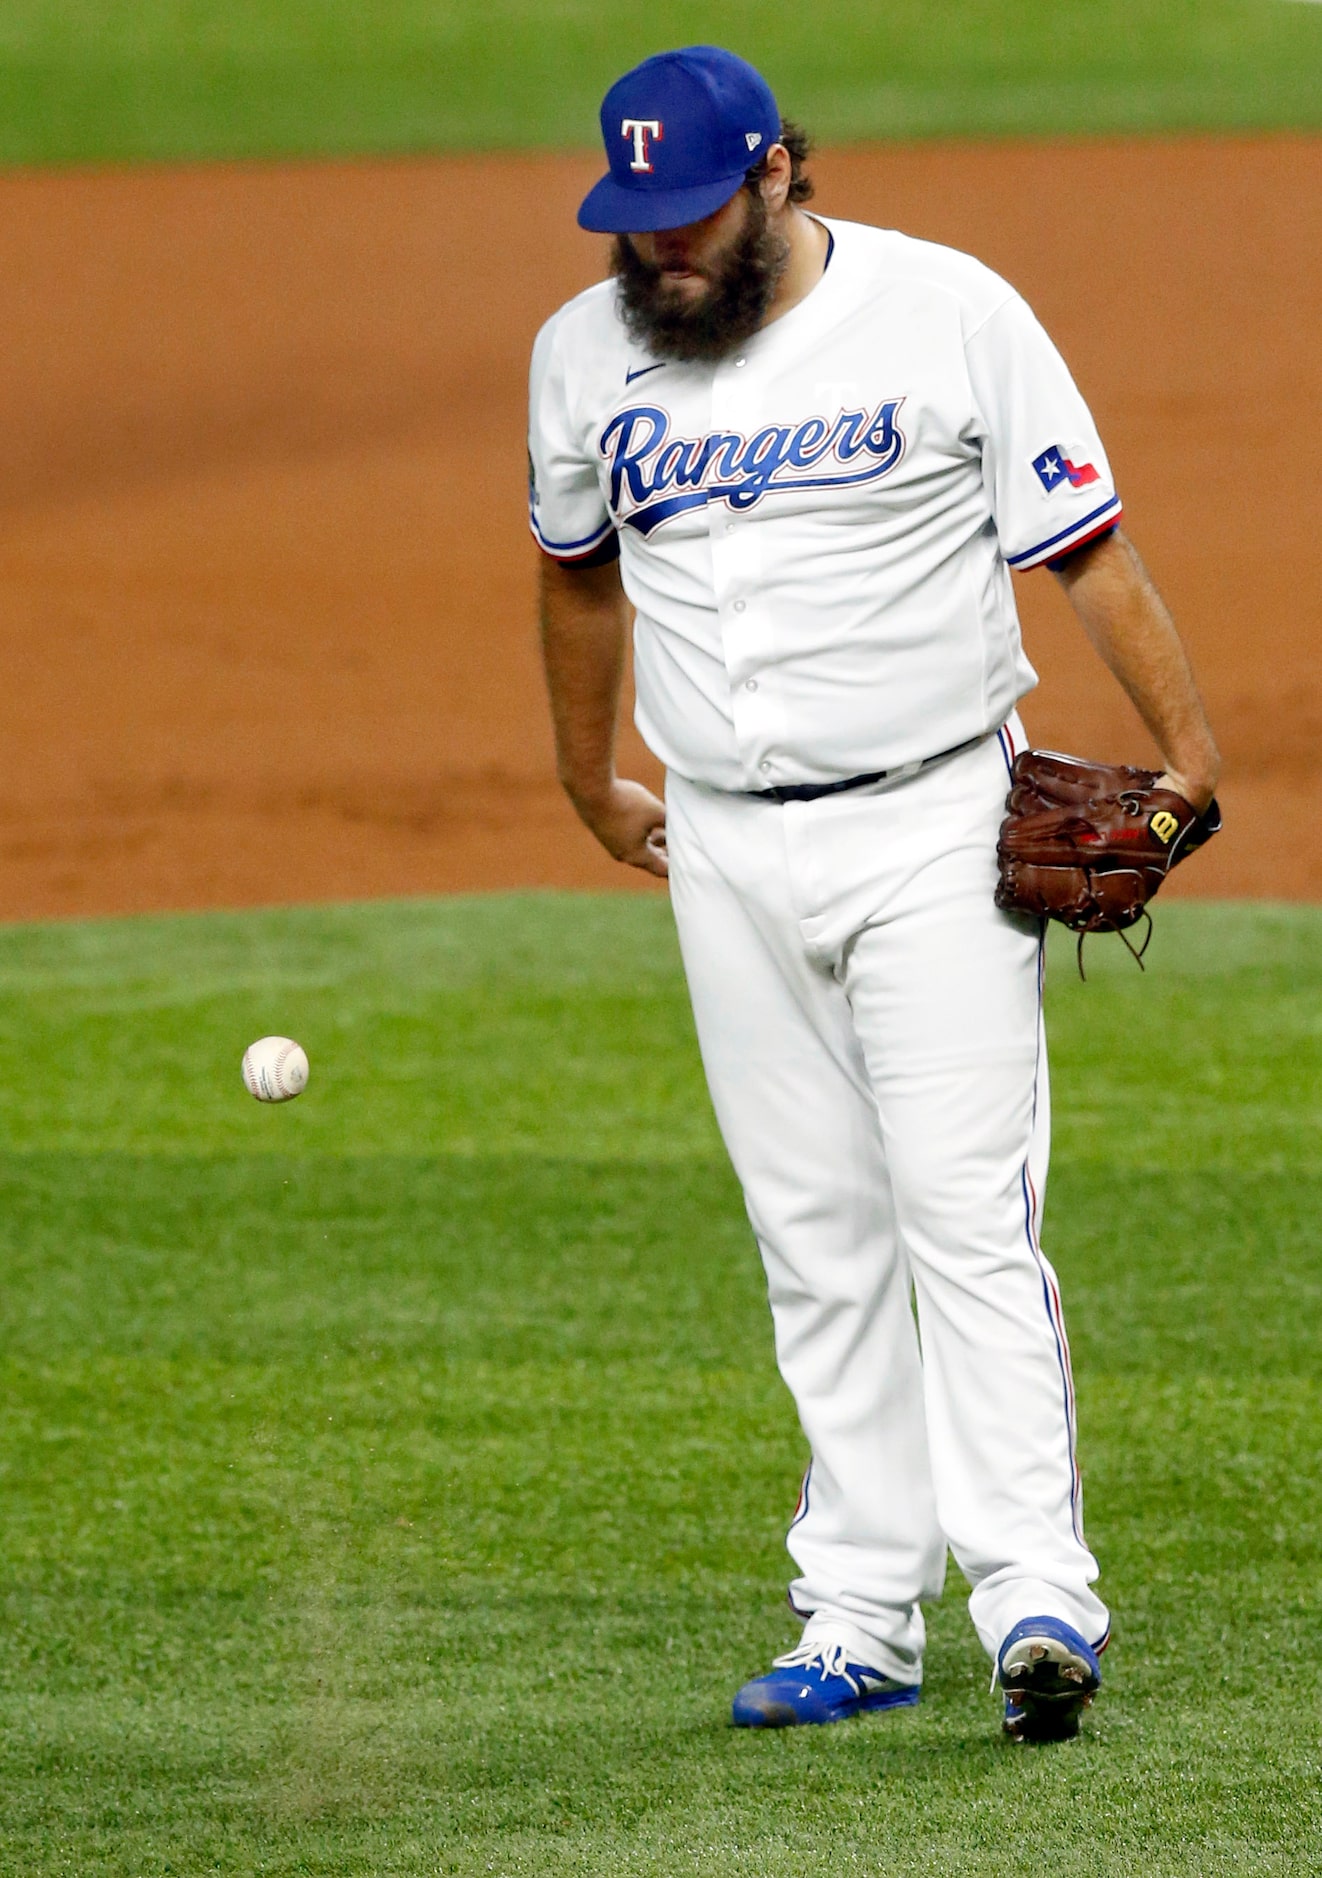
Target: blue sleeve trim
[[563, 548], [602, 556], [1053, 543], [1057, 561]]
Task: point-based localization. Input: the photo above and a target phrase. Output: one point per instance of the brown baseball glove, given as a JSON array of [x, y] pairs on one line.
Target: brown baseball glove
[[1090, 843]]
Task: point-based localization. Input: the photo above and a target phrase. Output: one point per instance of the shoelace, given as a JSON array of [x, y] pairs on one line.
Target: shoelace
[[831, 1656]]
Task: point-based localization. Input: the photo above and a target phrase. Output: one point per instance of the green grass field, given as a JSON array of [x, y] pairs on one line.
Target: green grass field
[[395, 1481], [92, 80]]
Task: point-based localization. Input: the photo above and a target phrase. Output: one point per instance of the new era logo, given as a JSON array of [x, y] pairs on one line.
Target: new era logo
[[752, 138]]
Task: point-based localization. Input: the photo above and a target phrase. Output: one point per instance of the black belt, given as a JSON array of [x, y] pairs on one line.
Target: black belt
[[813, 792]]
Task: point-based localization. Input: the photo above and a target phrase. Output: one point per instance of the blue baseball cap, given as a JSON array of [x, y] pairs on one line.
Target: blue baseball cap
[[681, 131]]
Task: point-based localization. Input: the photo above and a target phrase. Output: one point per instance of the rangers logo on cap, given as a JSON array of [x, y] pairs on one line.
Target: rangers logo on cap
[[640, 129]]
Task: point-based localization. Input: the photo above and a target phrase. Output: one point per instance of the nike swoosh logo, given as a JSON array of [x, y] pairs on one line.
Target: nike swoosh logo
[[642, 371]]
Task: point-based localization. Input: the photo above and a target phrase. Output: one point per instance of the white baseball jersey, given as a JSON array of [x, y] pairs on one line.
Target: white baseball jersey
[[816, 533]]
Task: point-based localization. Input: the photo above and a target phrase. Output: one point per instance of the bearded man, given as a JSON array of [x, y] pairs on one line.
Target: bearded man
[[803, 455]]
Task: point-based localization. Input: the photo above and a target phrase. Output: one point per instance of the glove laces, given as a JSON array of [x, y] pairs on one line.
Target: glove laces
[[813, 1652]]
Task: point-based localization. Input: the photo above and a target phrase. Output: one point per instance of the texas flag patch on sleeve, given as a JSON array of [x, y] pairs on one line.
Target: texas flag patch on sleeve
[[1076, 496], [1054, 467]]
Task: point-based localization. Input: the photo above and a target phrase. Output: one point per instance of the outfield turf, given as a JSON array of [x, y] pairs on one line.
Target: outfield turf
[[395, 1481], [101, 80]]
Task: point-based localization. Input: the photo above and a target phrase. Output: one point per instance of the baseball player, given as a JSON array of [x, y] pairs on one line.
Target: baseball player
[[804, 454]]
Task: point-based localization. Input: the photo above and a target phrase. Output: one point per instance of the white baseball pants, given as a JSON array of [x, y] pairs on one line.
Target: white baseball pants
[[871, 1030]]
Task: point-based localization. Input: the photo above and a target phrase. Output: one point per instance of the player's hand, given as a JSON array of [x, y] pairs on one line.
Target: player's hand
[[630, 823]]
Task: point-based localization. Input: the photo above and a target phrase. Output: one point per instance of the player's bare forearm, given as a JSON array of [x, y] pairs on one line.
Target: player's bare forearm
[[584, 620], [1128, 623]]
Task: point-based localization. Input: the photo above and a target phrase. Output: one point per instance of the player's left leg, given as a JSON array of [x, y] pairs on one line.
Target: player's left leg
[[946, 1000]]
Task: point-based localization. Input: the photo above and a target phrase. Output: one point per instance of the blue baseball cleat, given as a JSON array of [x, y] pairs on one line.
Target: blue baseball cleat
[[1049, 1675], [817, 1683]]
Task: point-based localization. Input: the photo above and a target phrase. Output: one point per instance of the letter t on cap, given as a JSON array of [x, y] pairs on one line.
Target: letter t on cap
[[640, 129]]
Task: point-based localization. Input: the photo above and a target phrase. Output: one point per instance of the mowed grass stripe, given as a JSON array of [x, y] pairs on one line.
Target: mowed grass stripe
[[557, 1024], [165, 80], [411, 1506]]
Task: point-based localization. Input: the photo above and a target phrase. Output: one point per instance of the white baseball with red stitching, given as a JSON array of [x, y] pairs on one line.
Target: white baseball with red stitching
[[275, 1069]]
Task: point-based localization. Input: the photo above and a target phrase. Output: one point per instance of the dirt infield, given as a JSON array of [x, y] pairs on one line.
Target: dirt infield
[[265, 586]]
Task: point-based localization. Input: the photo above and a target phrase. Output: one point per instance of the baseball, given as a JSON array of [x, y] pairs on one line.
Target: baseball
[[275, 1069]]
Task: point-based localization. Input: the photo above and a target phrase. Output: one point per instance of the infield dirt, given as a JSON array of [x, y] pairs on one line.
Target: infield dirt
[[265, 582]]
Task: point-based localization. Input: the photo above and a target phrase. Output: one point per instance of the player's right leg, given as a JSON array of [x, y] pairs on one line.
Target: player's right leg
[[799, 1121]]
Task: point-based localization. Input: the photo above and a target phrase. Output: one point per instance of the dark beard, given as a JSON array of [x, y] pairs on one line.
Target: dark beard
[[734, 306]]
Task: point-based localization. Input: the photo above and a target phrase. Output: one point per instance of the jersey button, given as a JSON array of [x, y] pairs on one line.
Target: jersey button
[[764, 766], [729, 528], [741, 606], [739, 362], [751, 685]]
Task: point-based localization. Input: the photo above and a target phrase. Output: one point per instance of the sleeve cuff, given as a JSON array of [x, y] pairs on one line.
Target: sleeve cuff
[[1058, 561], [1057, 546], [580, 550]]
